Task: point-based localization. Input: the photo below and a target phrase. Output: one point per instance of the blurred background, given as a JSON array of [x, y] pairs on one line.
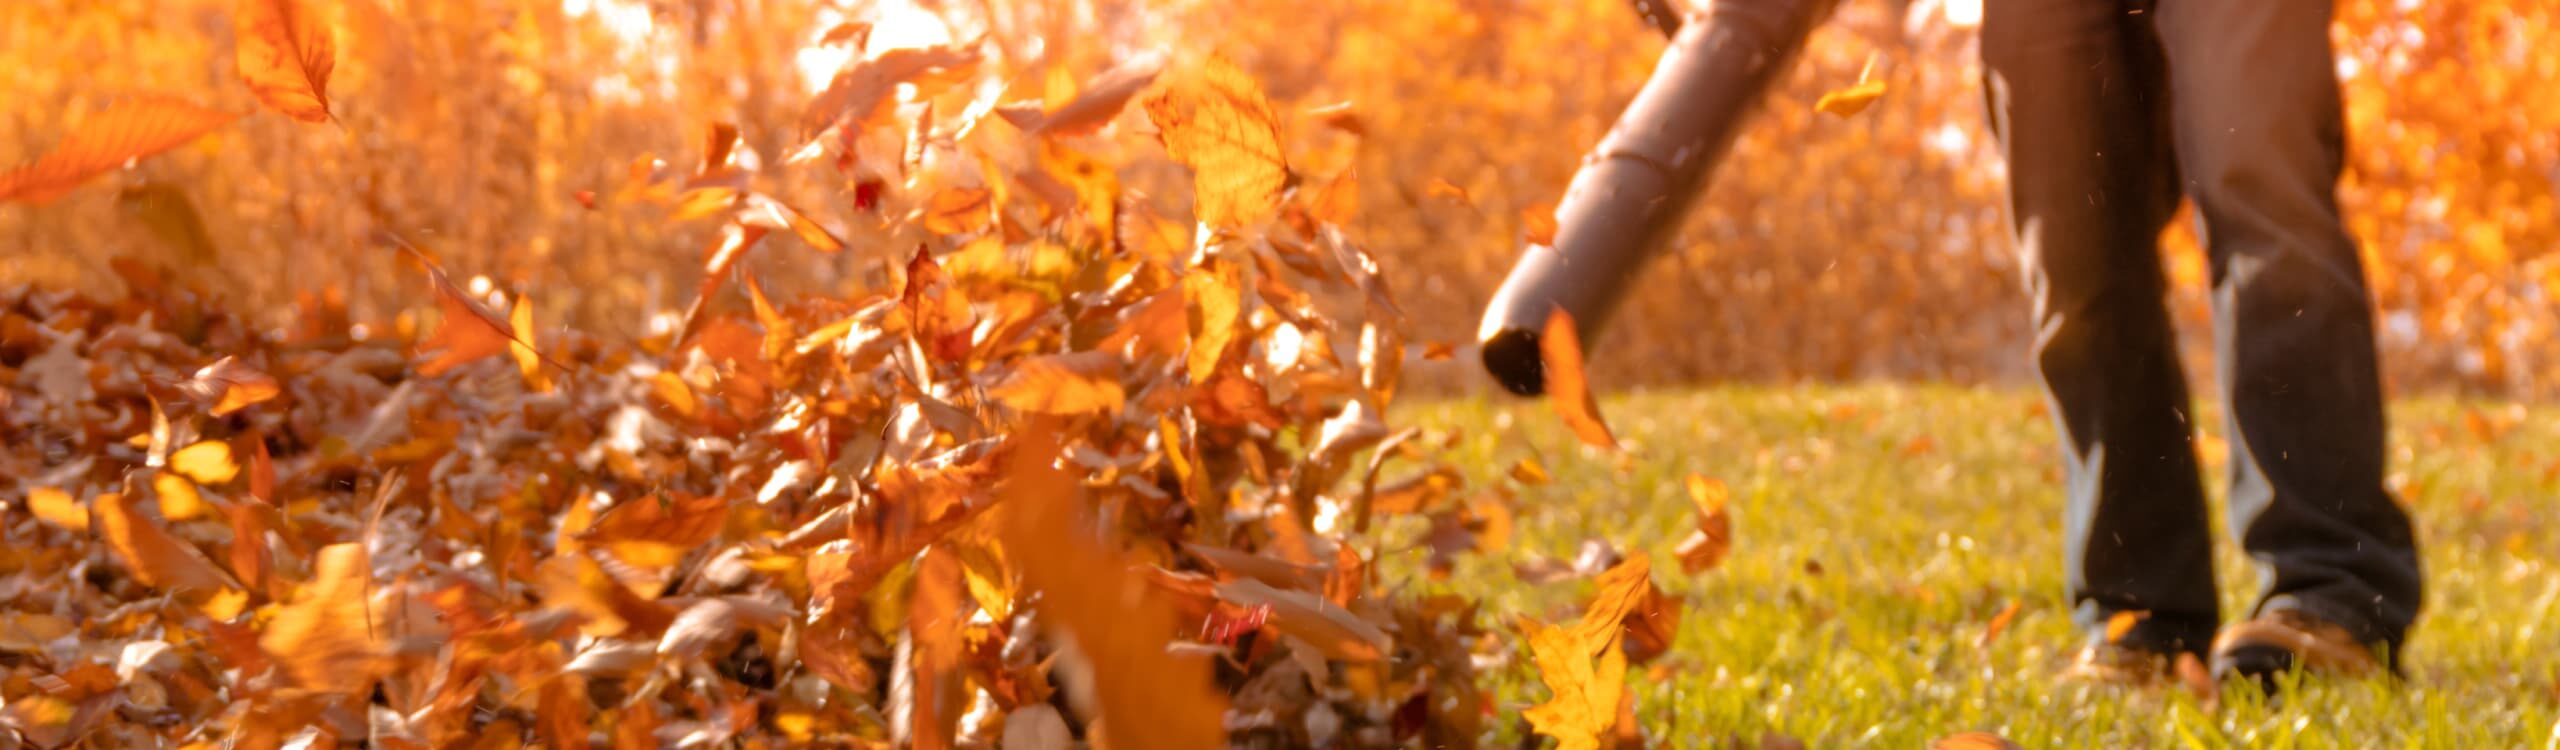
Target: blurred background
[[502, 135]]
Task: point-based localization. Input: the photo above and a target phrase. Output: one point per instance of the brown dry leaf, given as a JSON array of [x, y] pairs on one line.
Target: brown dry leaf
[[1707, 547], [1103, 98], [206, 462], [1330, 629], [28, 632], [1340, 116], [54, 506], [229, 386], [1150, 699], [1973, 741], [156, 557], [285, 55], [137, 127], [2122, 622], [655, 531], [1585, 706], [464, 332], [1999, 624], [1063, 384], [1539, 222], [1567, 388], [324, 639], [1216, 122]]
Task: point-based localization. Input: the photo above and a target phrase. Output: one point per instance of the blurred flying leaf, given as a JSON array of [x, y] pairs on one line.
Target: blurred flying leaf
[[1540, 223], [1215, 121], [1999, 624], [1340, 116], [154, 556], [1855, 98], [464, 332], [1150, 699], [1217, 301], [285, 55], [856, 92], [1330, 629], [935, 615], [1586, 695], [1063, 384], [1102, 99], [134, 128], [520, 345], [1708, 545], [1340, 201], [324, 639], [165, 210], [2122, 622], [206, 462], [54, 506], [1568, 390], [1973, 741], [228, 386], [1529, 472]]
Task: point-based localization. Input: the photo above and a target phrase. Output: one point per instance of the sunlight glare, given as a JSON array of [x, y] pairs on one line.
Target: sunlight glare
[[895, 24], [1964, 14]]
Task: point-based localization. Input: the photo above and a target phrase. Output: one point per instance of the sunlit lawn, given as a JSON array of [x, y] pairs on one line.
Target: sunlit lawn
[[1879, 528]]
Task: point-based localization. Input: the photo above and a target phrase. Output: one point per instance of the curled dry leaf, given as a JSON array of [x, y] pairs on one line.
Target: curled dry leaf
[[1215, 121], [1102, 98], [1560, 350], [1335, 631], [1851, 100], [137, 127], [227, 386], [1707, 547], [285, 55], [855, 94]]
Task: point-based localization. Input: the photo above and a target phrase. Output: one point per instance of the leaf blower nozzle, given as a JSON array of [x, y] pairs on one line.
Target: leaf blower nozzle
[[1630, 195]]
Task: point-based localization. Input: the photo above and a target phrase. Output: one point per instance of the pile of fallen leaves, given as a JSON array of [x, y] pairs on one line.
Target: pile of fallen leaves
[[1067, 472]]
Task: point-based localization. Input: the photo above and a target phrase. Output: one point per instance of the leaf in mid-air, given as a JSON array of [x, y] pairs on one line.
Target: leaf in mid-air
[[132, 129], [285, 55], [1567, 388], [1216, 122]]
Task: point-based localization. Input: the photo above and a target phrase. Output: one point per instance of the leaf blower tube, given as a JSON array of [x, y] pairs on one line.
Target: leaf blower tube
[[1632, 192]]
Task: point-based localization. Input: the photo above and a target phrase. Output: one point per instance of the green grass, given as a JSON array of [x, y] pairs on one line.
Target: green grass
[[1928, 508]]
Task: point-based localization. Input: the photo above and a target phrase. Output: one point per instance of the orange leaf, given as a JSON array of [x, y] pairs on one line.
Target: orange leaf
[[156, 557], [857, 91], [529, 362], [1622, 591], [135, 128], [464, 333], [324, 639], [958, 211], [1973, 741], [1217, 123], [1851, 100], [1150, 698], [54, 506], [1567, 388], [934, 618], [1714, 538], [2122, 622], [1063, 384], [1330, 629], [1540, 223], [1999, 624], [285, 55], [1217, 299], [230, 386], [1340, 200]]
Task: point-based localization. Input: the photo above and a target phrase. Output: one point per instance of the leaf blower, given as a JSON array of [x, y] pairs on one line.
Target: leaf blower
[[1631, 193]]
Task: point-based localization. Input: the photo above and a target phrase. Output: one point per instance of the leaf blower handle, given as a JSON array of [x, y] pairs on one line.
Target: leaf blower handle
[[1637, 185]]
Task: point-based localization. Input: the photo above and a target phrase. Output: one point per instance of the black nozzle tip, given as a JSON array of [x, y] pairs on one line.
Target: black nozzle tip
[[1512, 357]]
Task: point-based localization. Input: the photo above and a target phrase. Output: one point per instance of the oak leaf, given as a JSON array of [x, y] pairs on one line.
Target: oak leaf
[[1216, 122], [135, 128], [285, 55]]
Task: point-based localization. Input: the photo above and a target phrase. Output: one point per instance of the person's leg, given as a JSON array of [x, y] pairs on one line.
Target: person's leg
[[2077, 101], [2261, 141]]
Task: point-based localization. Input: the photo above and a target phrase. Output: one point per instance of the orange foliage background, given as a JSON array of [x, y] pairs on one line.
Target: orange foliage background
[[1828, 248]]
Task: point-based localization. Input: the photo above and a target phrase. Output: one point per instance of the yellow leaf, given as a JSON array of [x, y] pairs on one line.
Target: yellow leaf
[[179, 499], [1063, 384], [1585, 706], [1217, 299], [1621, 591], [57, 507], [1216, 122], [1527, 471], [206, 462], [224, 605], [1851, 100], [231, 386], [1707, 546], [1567, 388], [324, 639], [528, 362], [135, 128], [285, 55], [1103, 98]]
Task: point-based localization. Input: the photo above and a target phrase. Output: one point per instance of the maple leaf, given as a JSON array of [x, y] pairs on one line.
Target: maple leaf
[[285, 55], [137, 127], [1585, 706], [1216, 122], [1568, 390], [324, 639]]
